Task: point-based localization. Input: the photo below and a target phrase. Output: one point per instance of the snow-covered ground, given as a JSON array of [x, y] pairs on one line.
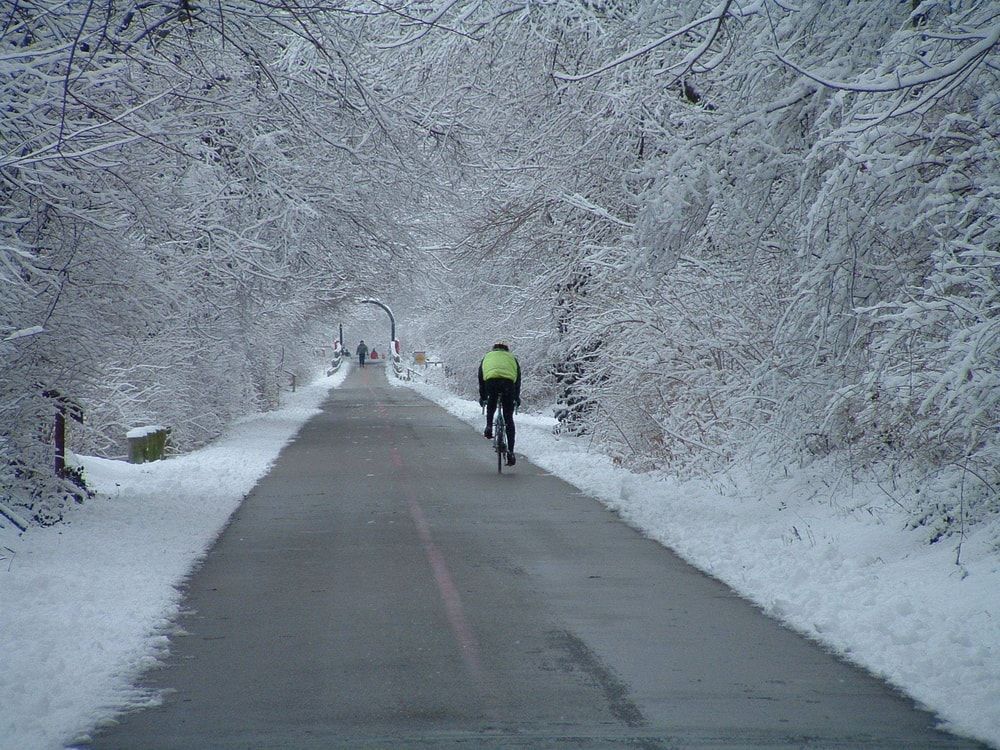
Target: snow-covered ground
[[87, 605]]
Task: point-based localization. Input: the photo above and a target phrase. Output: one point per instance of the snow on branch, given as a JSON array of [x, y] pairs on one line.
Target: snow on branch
[[888, 83], [428, 24], [578, 201], [798, 95], [25, 333], [716, 16]]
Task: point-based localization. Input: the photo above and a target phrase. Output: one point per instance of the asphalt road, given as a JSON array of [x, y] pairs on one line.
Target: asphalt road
[[383, 587]]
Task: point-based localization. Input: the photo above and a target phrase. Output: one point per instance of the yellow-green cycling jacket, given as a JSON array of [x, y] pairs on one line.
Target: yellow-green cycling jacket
[[499, 363]]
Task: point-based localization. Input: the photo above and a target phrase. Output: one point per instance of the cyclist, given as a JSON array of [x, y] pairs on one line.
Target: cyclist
[[500, 379]]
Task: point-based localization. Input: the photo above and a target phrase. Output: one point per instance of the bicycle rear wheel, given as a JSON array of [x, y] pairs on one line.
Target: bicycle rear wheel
[[500, 443]]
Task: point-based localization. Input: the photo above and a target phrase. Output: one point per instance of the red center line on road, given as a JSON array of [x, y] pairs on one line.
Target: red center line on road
[[460, 628]]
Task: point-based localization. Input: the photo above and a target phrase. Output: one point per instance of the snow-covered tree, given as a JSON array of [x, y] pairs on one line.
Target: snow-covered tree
[[756, 226], [710, 229], [184, 188]]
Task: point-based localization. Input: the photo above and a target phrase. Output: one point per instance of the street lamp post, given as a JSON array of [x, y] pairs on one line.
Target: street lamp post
[[392, 319]]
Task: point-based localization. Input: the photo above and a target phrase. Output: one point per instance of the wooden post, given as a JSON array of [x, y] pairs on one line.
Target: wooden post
[[60, 440], [147, 443], [63, 405]]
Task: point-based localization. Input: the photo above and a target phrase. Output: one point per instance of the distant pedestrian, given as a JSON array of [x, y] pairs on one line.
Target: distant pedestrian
[[374, 354], [362, 352]]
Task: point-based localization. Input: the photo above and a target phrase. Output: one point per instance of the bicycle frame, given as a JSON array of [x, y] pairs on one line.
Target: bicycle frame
[[500, 439]]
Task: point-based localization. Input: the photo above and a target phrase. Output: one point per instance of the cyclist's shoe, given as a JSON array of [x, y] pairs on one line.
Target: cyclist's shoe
[[488, 433], [511, 458]]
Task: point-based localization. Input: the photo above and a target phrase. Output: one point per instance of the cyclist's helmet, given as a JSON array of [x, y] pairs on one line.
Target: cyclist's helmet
[[501, 345]]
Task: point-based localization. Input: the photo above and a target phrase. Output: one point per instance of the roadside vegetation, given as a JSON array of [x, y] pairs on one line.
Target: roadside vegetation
[[713, 231]]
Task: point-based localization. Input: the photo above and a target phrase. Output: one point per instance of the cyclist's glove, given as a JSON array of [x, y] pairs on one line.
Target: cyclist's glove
[[482, 402]]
